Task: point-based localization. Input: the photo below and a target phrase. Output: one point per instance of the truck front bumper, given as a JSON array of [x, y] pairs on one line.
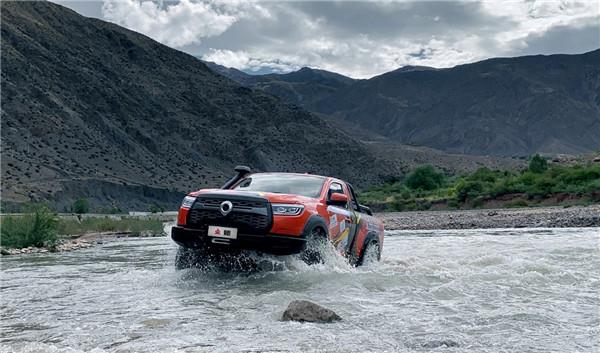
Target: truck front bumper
[[268, 243]]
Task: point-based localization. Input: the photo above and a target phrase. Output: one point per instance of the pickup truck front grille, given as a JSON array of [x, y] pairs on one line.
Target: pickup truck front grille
[[238, 220], [248, 215], [239, 204]]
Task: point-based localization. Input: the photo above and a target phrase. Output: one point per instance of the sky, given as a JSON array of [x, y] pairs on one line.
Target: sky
[[360, 39]]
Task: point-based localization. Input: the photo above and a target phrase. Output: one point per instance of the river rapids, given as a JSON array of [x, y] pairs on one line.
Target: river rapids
[[498, 290]]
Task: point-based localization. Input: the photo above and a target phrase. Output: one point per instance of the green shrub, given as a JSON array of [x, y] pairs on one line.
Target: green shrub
[[578, 175], [483, 175], [593, 186], [81, 206], [538, 164], [503, 187], [155, 208], [542, 187], [37, 228], [468, 189], [424, 178]]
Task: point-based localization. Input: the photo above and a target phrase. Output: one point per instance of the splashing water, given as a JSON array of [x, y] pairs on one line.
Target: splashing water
[[477, 290]]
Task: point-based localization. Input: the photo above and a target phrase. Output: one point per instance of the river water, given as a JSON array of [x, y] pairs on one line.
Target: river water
[[526, 290]]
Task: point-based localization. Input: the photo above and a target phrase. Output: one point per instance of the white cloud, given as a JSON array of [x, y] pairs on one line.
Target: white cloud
[[537, 17], [329, 38], [360, 58], [358, 39], [243, 61], [175, 24]]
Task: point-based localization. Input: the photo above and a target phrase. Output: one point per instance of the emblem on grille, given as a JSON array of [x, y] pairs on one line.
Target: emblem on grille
[[226, 207]]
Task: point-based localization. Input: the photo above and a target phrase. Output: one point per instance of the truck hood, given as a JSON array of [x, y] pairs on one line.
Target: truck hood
[[272, 197]]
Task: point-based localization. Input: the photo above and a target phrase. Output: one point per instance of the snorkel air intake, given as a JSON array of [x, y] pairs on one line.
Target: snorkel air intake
[[242, 171]]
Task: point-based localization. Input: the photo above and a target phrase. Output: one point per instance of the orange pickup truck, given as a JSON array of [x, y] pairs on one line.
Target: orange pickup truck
[[276, 213]]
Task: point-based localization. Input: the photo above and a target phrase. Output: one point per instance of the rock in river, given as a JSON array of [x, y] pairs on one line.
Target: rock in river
[[440, 343], [305, 311]]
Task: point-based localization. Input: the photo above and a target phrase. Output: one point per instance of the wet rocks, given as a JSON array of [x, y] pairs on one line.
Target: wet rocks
[[28, 250], [306, 311], [72, 245], [60, 247], [440, 343], [98, 236]]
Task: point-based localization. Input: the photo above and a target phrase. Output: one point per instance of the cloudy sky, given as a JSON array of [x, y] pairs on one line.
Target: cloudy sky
[[356, 38]]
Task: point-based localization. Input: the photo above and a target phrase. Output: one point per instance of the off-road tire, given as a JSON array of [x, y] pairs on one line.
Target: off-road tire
[[315, 240], [370, 254]]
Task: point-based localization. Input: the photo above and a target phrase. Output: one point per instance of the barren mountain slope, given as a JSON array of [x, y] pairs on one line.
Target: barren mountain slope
[[90, 109]]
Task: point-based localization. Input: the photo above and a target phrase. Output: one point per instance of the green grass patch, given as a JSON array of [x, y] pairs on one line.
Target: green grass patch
[[107, 224], [36, 228], [40, 227]]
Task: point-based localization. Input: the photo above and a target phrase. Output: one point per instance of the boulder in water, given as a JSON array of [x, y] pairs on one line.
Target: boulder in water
[[440, 343], [305, 311]]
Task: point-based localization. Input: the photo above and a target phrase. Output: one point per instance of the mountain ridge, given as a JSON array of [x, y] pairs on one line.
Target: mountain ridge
[[512, 106], [518, 106], [303, 87]]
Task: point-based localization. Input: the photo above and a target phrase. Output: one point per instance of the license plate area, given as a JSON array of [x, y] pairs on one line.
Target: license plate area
[[222, 232]]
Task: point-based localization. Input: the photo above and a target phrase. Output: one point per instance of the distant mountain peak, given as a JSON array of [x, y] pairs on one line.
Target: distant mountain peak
[[411, 68]]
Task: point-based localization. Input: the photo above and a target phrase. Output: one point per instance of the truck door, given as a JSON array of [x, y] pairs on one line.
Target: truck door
[[342, 219], [361, 226]]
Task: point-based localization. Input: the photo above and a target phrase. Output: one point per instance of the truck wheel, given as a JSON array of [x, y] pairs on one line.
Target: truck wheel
[[371, 253], [186, 258], [316, 241]]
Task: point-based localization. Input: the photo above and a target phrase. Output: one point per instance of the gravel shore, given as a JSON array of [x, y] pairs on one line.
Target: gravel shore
[[545, 217]]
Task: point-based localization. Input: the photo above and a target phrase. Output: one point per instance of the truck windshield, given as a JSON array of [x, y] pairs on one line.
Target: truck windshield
[[304, 185]]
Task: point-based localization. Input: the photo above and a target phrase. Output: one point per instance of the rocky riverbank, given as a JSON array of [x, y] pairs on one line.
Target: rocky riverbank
[[544, 217]]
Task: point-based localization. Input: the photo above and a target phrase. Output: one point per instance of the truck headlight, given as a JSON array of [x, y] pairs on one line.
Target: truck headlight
[[286, 210], [188, 201]]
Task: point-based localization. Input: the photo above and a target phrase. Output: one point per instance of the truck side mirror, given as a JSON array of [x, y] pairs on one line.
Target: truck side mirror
[[337, 199]]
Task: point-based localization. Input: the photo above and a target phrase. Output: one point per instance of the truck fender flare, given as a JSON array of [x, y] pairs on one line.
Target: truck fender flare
[[315, 221]]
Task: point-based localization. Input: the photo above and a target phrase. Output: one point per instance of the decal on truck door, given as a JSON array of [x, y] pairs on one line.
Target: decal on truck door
[[340, 227]]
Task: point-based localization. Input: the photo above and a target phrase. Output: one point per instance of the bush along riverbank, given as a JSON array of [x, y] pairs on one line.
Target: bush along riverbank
[[41, 230], [541, 184]]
